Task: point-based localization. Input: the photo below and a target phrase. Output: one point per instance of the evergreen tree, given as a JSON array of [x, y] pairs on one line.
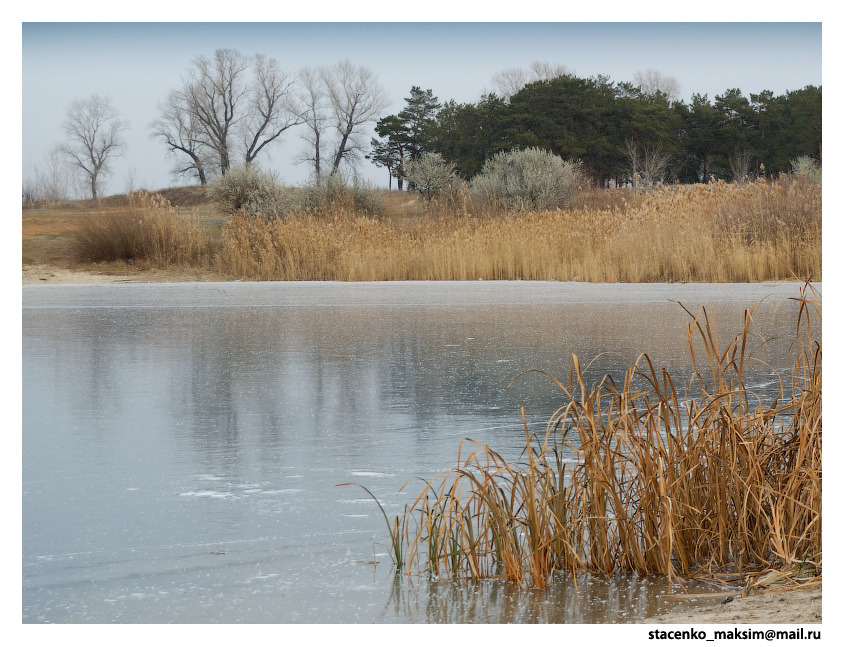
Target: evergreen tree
[[418, 118], [405, 136], [393, 150], [468, 134]]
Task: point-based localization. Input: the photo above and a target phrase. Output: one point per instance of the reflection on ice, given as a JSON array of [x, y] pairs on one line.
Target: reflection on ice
[[164, 426]]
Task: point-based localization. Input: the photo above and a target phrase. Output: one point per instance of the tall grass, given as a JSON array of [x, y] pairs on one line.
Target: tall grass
[[643, 477], [149, 230], [706, 233]]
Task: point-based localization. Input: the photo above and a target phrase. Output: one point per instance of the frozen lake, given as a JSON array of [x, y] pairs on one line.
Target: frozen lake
[[182, 442]]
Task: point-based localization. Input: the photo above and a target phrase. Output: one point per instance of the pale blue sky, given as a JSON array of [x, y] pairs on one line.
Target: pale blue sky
[[136, 64]]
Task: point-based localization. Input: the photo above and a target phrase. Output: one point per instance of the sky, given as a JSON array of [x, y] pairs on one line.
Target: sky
[[137, 64]]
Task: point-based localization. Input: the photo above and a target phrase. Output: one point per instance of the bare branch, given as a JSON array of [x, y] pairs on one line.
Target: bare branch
[[356, 98], [214, 90], [313, 106], [652, 82], [95, 136], [272, 109]]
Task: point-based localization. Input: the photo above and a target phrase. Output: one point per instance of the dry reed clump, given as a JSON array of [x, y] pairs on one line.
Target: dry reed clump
[[633, 477], [705, 233], [149, 230]]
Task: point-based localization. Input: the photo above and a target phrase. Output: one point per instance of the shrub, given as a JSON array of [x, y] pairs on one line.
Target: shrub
[[153, 231], [252, 190], [809, 167], [333, 193], [430, 175], [532, 179]]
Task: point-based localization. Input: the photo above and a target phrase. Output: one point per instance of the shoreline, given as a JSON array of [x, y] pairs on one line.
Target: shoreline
[[55, 275], [771, 607], [40, 274]]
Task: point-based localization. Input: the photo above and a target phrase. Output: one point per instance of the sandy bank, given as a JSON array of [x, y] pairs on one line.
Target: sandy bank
[[798, 607], [41, 274]]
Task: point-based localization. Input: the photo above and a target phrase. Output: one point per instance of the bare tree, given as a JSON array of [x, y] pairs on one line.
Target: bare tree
[[272, 109], [648, 164], [651, 82], [55, 181], [95, 136], [510, 81], [545, 71], [214, 90], [632, 154], [219, 113], [740, 162], [356, 99], [655, 164], [178, 128], [313, 101]]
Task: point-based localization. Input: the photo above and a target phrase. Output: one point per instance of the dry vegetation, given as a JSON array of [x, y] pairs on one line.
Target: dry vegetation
[[713, 233], [708, 233], [155, 231], [642, 476]]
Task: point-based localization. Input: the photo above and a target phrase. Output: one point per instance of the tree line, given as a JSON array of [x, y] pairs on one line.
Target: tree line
[[231, 108], [619, 132]]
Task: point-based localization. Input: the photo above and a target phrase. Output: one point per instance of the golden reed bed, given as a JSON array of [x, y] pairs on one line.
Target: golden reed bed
[[699, 233]]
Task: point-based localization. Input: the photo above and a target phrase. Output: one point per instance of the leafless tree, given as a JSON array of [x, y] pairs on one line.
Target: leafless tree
[[55, 180], [740, 162], [355, 98], [219, 113], [214, 90], [313, 102], [651, 82], [178, 128], [648, 164], [632, 154], [511, 80], [95, 137], [272, 108], [545, 71], [655, 164]]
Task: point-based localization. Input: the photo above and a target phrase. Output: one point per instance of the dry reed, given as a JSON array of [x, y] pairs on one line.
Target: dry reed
[[700, 233], [149, 230], [635, 477]]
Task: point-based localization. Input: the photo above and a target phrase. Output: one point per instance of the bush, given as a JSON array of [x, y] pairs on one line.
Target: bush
[[809, 167], [532, 179], [153, 231], [249, 189], [430, 175], [332, 193]]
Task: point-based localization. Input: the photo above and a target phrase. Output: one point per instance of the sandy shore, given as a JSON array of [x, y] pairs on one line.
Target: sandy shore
[[47, 274], [795, 607]]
